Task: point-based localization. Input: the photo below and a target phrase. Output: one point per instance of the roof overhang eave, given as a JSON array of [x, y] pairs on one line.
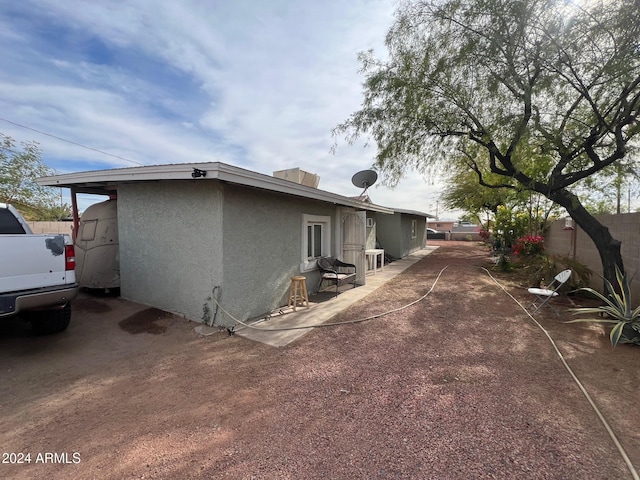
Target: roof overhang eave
[[105, 182]]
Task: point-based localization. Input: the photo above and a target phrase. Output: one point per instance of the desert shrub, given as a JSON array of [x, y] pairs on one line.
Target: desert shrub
[[504, 264], [540, 270], [510, 224], [616, 309]]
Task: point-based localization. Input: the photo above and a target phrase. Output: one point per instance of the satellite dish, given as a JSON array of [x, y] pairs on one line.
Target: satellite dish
[[364, 179]]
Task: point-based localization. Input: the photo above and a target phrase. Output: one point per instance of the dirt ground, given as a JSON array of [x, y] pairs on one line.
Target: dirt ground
[[459, 385]]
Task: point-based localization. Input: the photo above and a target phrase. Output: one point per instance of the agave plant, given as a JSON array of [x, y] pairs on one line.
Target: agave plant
[[616, 310]]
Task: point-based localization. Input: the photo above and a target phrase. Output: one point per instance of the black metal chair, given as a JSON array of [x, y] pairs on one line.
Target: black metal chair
[[336, 271]]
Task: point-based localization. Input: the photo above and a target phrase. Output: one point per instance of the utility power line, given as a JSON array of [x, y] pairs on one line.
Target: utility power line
[[72, 143]]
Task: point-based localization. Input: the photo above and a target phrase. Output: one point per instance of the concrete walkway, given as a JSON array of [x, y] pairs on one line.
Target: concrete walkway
[[282, 329]]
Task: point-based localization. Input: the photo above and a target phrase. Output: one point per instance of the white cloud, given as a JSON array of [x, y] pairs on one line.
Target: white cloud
[[255, 84]]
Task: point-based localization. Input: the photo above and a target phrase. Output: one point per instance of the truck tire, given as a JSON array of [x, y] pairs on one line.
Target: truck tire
[[51, 321]]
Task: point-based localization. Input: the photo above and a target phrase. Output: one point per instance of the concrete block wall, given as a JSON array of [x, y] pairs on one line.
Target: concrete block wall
[[575, 243], [51, 227], [465, 236]]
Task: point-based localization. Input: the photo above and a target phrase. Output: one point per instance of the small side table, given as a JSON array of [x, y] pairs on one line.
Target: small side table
[[372, 256]]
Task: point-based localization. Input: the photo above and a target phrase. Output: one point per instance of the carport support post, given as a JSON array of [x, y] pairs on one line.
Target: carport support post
[[76, 217]]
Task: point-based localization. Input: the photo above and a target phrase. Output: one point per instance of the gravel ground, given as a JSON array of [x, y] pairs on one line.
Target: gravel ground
[[460, 385]]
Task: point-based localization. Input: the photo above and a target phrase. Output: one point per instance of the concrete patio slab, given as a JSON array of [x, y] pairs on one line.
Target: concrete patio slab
[[283, 328]]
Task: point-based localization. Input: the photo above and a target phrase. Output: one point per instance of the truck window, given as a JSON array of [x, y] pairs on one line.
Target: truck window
[[9, 225]]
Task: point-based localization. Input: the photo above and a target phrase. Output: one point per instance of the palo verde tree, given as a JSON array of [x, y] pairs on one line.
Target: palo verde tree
[[557, 77]]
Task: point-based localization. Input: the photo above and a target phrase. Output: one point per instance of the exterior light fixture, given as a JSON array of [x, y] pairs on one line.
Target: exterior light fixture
[[568, 223]]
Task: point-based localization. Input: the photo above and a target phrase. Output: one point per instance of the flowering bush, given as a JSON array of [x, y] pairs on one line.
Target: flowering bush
[[484, 234], [529, 245], [510, 224]]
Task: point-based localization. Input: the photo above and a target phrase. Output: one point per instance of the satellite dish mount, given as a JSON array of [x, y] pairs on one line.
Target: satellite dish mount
[[364, 179]]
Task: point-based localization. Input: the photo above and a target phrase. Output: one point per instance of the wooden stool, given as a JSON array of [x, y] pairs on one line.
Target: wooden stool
[[298, 292]]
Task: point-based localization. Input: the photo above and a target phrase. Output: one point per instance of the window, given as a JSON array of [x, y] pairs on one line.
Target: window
[[414, 228], [316, 240], [88, 230], [9, 224]]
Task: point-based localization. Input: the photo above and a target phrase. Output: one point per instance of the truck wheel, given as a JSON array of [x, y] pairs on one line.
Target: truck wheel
[[51, 321]]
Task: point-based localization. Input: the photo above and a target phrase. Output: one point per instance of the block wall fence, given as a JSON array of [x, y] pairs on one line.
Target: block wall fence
[[51, 227], [576, 244]]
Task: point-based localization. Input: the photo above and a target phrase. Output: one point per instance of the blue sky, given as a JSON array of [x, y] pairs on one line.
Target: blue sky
[[254, 84]]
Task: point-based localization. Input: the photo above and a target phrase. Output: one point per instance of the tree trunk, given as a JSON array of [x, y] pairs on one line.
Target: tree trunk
[[608, 247]]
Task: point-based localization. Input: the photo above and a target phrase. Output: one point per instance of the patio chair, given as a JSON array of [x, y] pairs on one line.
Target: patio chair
[[335, 271], [544, 295]]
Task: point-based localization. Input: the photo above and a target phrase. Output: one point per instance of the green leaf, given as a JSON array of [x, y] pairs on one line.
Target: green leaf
[[591, 320], [624, 289], [615, 334], [597, 295]]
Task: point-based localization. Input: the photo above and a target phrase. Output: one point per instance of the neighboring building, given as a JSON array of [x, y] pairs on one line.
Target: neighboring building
[[456, 230], [441, 225], [192, 232]]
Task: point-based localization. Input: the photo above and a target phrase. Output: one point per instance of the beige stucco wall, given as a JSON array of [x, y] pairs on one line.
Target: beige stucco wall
[[262, 242], [179, 240], [624, 227], [171, 244], [394, 233]]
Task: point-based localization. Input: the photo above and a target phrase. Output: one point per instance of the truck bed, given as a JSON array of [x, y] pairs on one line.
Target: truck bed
[[33, 261]]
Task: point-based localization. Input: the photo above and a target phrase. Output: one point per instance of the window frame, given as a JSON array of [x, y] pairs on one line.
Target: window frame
[[324, 221], [414, 228]]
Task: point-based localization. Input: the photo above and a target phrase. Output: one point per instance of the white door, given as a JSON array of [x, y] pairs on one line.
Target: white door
[[354, 238]]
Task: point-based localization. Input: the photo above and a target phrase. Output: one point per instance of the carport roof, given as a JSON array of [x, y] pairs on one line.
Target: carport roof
[[105, 182]]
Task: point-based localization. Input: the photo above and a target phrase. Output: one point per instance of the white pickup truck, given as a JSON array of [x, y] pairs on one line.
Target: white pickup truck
[[37, 274]]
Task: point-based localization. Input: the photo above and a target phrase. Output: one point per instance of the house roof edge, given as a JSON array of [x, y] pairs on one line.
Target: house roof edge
[[97, 181]]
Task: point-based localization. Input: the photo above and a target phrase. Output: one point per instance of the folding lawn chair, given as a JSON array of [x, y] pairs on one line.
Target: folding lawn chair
[[544, 295]]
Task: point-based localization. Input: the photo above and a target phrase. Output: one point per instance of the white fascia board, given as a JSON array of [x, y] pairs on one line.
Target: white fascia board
[[121, 175], [413, 212], [215, 171]]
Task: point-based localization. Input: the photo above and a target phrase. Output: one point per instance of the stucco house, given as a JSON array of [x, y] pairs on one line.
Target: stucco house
[[402, 233], [189, 232], [399, 234]]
